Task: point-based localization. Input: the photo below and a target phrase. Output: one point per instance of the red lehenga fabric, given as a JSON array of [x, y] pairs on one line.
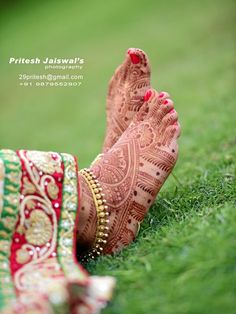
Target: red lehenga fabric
[[39, 211]]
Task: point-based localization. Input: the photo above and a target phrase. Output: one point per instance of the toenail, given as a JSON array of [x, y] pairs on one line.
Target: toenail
[[134, 58], [161, 95], [172, 111], [148, 95], [166, 102]]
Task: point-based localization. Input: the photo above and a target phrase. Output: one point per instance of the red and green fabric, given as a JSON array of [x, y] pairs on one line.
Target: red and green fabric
[[39, 205]]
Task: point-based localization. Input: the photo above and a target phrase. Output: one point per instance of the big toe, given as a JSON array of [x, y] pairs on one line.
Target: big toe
[[135, 69], [138, 60]]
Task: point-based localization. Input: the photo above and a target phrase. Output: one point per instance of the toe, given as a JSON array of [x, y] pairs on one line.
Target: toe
[[139, 60], [163, 96], [135, 58], [165, 107], [149, 107], [161, 110], [169, 119], [142, 113], [151, 98], [171, 134], [138, 56]]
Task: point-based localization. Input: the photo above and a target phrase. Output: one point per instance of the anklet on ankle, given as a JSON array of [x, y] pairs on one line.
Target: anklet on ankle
[[102, 213]]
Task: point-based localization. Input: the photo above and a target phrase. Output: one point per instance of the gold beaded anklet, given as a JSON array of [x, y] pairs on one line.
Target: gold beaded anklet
[[102, 213]]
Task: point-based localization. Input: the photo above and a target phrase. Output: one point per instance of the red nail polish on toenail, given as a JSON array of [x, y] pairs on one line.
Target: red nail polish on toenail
[[148, 95], [161, 95], [172, 111], [166, 102], [134, 58]]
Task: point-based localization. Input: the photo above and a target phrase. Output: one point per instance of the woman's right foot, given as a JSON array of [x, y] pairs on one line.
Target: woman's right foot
[[133, 171], [126, 89]]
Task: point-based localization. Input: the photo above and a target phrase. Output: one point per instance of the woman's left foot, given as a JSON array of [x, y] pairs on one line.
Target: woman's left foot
[[126, 89]]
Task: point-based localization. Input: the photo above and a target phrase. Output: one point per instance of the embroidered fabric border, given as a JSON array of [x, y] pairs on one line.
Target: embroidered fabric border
[[66, 240], [10, 176], [33, 250]]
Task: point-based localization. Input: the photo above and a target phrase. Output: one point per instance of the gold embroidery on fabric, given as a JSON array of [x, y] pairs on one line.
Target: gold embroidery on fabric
[[30, 204], [28, 187], [40, 276], [45, 161], [9, 222], [9, 210], [4, 244], [53, 190], [22, 256], [67, 221], [41, 227], [3, 234]]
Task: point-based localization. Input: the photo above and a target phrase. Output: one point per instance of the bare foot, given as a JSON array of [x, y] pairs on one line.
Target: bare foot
[[129, 83], [132, 172]]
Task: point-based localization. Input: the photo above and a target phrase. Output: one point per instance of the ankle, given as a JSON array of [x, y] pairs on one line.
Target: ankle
[[87, 223]]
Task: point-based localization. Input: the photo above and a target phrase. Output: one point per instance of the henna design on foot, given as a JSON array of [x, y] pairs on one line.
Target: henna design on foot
[[133, 171], [129, 83]]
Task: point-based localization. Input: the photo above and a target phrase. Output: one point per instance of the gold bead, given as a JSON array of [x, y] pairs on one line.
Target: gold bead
[[101, 234], [99, 202], [101, 207], [93, 186], [101, 228], [102, 214], [98, 196], [96, 190]]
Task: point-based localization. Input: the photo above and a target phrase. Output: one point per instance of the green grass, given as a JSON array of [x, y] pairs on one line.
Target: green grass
[[184, 259]]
